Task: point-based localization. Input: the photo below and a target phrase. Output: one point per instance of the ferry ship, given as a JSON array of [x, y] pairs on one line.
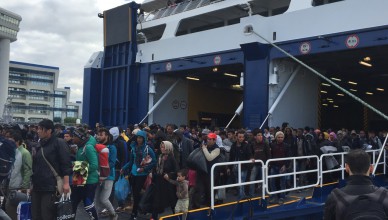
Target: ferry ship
[[243, 63]]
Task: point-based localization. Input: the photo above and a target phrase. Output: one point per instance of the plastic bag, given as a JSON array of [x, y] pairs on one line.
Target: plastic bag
[[24, 211], [65, 208], [122, 189], [197, 160]]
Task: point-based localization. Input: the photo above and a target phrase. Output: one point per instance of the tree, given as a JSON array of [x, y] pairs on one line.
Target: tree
[[70, 120], [57, 119]]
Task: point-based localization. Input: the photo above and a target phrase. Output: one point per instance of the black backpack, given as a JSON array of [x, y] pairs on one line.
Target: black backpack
[[7, 157], [361, 207]]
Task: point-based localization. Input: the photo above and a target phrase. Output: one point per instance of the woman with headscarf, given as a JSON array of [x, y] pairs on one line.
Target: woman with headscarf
[[164, 192]]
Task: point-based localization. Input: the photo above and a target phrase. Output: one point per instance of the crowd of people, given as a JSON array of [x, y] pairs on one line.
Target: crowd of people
[[157, 155]]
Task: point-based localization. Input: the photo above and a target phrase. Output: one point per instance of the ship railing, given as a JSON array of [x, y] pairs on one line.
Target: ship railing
[[292, 171], [326, 163], [171, 10], [237, 164], [264, 180], [331, 159]]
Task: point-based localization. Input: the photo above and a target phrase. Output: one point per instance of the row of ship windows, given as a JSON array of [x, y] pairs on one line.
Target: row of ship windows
[[20, 82], [9, 19]]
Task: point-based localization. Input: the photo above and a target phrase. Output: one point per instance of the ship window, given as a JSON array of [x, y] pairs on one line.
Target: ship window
[[211, 20], [324, 2], [231, 15], [150, 34]]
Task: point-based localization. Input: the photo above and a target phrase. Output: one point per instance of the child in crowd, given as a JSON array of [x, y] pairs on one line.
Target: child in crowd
[[182, 188]]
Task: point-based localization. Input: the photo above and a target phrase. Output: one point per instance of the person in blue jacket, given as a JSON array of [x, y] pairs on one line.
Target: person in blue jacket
[[142, 161]]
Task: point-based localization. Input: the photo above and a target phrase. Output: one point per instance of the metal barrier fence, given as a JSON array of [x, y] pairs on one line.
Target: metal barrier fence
[[331, 156], [266, 176], [239, 183], [294, 173]]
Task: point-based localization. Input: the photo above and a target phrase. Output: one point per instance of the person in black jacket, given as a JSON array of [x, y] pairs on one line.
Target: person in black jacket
[[182, 148], [358, 183], [44, 184], [240, 151]]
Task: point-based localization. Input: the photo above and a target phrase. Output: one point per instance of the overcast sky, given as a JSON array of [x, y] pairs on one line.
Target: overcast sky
[[59, 33]]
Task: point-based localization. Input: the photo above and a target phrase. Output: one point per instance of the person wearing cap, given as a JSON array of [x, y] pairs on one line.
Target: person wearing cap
[[51, 150], [142, 161], [86, 152], [202, 185], [123, 153], [182, 148]]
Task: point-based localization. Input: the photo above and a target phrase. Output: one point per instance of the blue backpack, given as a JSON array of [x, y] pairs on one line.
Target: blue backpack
[[7, 157]]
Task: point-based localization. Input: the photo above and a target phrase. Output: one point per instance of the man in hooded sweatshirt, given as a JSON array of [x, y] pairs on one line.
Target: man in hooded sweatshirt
[[142, 161], [86, 152]]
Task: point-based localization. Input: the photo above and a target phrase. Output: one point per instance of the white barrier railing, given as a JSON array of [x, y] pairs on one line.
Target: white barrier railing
[[341, 167], [239, 183], [294, 173], [266, 176]]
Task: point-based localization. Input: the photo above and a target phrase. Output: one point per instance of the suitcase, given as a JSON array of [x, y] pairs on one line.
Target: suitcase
[[24, 211]]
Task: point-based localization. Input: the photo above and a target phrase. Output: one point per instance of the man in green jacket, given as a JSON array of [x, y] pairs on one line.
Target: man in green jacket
[[86, 152], [21, 173]]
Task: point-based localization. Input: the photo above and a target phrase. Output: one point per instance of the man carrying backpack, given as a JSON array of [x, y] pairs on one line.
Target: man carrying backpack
[[359, 199]]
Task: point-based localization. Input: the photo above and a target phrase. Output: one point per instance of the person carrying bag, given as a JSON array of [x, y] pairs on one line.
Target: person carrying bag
[[52, 154], [65, 208]]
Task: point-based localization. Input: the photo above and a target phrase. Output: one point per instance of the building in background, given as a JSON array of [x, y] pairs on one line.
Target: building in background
[[33, 94], [9, 27]]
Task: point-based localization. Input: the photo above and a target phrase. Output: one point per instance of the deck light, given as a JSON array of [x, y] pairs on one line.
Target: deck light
[[380, 89], [192, 78], [336, 79], [335, 106], [353, 90], [231, 75], [340, 94], [365, 64], [369, 93], [325, 84], [353, 83], [323, 91]]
